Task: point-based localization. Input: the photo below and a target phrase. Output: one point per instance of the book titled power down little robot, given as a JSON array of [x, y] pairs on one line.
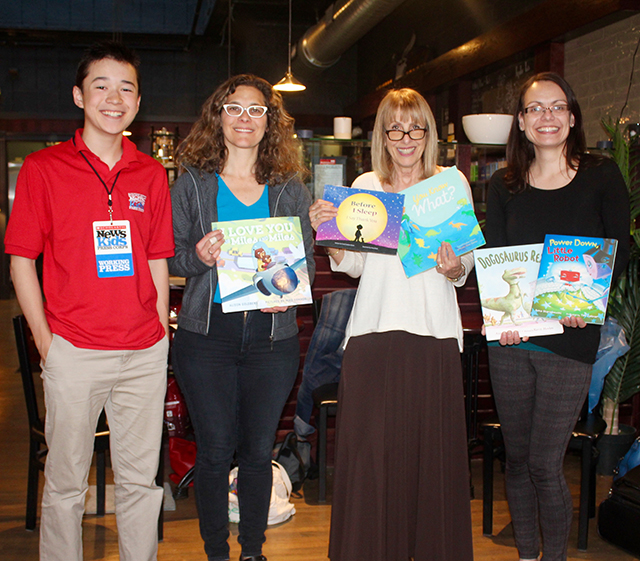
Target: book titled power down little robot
[[575, 277], [262, 264]]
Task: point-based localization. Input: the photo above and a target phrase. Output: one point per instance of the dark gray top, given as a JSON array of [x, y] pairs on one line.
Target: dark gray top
[[595, 203], [194, 201]]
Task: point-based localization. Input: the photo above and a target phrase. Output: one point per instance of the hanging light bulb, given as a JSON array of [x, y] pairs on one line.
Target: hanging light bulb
[[289, 83]]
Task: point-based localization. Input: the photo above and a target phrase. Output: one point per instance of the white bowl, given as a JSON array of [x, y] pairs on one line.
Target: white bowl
[[487, 128]]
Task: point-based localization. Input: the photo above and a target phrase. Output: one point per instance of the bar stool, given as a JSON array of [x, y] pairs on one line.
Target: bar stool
[[325, 398]]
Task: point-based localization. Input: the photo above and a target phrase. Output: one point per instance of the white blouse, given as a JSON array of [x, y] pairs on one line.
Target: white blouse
[[425, 304]]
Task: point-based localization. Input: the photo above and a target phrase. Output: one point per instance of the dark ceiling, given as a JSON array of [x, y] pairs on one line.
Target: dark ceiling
[[151, 23]]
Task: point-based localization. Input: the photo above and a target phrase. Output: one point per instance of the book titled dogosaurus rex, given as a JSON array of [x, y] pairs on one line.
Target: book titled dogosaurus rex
[[506, 283]]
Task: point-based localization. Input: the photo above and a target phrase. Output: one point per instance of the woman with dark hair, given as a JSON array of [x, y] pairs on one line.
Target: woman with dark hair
[[550, 186], [240, 161], [401, 486]]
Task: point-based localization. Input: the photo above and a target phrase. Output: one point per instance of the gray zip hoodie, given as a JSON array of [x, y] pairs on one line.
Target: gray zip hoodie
[[193, 198]]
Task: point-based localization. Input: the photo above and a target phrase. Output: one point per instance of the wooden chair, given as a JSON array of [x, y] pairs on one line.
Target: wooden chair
[[27, 355], [37, 444], [583, 439]]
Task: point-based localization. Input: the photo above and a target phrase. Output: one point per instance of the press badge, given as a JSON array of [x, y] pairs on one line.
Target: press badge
[[112, 243]]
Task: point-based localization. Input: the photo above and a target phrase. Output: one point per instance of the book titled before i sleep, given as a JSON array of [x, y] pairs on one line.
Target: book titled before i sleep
[[367, 220]]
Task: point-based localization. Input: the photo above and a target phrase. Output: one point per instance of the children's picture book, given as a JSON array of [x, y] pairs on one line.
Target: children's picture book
[[367, 220], [436, 210], [262, 264], [506, 283], [575, 277]]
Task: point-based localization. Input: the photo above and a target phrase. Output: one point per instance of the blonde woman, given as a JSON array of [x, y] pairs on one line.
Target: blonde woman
[[401, 480]]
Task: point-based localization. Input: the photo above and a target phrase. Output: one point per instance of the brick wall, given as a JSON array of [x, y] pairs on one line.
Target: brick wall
[[598, 67]]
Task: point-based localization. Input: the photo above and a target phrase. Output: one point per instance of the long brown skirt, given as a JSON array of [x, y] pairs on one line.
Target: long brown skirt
[[401, 485]]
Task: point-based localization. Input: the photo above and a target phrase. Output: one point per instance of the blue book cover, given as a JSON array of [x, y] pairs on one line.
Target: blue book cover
[[574, 278], [367, 220], [436, 210]]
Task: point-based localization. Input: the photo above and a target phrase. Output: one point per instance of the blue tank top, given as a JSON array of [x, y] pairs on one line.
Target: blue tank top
[[231, 208]]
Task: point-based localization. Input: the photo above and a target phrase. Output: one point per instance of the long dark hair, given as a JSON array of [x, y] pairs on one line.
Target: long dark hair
[[279, 156], [520, 151]]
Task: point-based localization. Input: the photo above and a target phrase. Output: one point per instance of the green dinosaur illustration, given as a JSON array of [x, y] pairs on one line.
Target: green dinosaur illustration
[[509, 303]]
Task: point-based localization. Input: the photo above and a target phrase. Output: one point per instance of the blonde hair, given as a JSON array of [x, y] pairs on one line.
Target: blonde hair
[[410, 104]]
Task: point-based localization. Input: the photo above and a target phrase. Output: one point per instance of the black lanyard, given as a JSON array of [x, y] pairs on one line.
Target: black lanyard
[[109, 191]]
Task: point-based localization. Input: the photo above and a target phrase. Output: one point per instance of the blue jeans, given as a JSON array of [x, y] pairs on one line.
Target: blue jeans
[[236, 382], [324, 357]]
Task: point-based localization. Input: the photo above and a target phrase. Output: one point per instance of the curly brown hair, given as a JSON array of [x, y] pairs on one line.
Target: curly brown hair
[[279, 152]]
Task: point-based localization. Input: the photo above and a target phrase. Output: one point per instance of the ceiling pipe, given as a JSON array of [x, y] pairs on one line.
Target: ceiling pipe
[[344, 23]]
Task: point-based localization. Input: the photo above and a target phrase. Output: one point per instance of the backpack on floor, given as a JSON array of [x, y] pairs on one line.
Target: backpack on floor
[[280, 508], [295, 456], [619, 515]]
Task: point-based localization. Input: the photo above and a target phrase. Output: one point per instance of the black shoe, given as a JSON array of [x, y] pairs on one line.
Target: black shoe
[[254, 558]]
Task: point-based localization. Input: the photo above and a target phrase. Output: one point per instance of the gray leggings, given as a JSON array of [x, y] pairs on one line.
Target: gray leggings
[[539, 396]]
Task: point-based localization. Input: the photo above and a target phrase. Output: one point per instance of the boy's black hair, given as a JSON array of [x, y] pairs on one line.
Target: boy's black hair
[[107, 49]]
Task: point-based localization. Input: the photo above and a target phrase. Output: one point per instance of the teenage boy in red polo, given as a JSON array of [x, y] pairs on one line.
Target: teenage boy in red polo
[[99, 212]]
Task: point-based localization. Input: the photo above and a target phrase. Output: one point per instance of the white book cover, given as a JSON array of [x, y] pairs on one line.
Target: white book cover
[[506, 283]]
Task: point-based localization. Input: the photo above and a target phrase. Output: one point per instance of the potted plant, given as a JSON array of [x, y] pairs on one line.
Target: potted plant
[[623, 381]]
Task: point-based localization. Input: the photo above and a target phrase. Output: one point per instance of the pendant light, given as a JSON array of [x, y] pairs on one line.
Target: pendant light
[[289, 83]]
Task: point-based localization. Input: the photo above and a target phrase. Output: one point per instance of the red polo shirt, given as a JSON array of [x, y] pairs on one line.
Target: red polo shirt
[[58, 197]]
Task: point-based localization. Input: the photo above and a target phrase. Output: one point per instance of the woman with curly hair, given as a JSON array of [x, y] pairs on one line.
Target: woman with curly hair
[[240, 161]]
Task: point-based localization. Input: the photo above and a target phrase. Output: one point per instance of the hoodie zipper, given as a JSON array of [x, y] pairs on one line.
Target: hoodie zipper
[[275, 213]]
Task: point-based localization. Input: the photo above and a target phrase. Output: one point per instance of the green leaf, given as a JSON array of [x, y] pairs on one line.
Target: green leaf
[[623, 381]]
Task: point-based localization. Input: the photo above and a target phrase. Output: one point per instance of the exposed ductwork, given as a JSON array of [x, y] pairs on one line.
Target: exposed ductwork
[[344, 22]]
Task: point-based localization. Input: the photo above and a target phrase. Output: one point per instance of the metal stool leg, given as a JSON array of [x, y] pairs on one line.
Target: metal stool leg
[[487, 481], [585, 483], [322, 455]]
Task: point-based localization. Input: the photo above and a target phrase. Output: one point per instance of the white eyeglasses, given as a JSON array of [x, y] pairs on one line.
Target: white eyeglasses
[[235, 110], [541, 110]]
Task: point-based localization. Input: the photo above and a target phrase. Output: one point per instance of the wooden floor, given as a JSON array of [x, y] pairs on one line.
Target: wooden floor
[[303, 538]]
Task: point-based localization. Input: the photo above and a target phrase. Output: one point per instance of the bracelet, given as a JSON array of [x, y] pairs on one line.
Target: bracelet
[[462, 274], [328, 252]]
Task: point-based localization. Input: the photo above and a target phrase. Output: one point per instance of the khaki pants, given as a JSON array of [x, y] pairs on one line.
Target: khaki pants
[[131, 386]]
